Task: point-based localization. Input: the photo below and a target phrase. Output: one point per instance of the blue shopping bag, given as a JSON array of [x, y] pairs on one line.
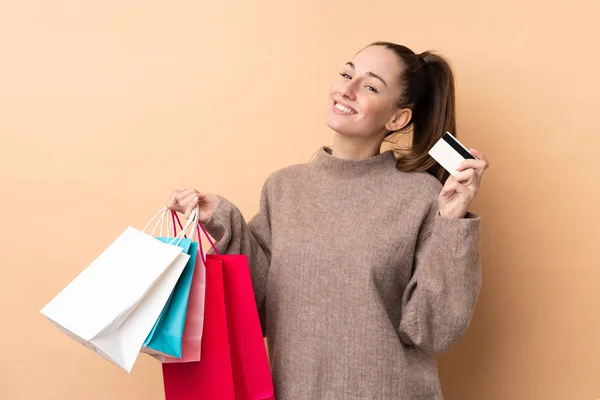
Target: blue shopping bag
[[166, 336]]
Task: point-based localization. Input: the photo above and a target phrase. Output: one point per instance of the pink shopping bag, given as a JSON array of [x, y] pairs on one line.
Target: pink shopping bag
[[191, 344]]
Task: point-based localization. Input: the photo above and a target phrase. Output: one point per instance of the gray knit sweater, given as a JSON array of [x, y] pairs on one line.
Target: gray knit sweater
[[358, 280]]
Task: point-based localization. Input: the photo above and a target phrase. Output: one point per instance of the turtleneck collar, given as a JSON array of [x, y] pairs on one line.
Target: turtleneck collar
[[342, 167]]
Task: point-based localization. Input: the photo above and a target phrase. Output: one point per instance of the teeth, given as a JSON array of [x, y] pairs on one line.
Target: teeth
[[344, 109]]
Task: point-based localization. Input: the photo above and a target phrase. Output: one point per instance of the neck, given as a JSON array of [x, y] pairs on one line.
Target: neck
[[352, 148]]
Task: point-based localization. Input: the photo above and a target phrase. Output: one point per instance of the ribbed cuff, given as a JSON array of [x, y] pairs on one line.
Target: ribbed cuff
[[457, 234]]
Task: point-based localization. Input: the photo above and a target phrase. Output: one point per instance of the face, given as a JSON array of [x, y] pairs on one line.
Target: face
[[364, 101]]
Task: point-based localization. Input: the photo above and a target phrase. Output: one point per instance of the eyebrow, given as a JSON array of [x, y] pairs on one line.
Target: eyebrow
[[372, 74]]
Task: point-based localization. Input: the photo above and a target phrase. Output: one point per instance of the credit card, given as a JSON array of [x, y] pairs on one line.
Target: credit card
[[449, 153]]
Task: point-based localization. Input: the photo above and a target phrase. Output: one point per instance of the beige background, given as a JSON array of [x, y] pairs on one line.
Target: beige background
[[105, 107]]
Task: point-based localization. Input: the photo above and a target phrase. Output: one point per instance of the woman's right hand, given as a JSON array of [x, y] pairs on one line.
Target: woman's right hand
[[185, 200]]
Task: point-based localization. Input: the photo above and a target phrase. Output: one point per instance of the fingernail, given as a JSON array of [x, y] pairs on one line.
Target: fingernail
[[196, 198]]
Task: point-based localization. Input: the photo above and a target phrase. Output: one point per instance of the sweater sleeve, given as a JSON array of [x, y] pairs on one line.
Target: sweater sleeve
[[234, 236], [440, 297]]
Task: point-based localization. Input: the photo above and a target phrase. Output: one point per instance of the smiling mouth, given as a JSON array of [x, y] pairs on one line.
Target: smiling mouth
[[341, 109]]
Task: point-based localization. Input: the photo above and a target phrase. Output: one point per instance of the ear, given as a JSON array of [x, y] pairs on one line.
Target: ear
[[399, 120]]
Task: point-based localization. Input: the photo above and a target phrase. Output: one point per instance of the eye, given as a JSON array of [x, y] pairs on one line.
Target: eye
[[345, 75], [372, 89]]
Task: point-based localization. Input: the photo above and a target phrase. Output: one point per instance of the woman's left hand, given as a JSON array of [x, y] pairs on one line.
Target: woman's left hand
[[459, 190]]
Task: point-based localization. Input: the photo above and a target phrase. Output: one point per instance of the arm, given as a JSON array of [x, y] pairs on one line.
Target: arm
[[440, 297], [234, 236]]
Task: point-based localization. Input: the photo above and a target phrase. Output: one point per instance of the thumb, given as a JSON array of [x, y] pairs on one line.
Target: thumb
[[204, 217]]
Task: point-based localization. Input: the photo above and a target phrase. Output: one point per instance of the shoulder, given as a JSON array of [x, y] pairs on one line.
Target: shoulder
[[287, 175], [426, 182], [415, 194], [289, 172], [418, 184]]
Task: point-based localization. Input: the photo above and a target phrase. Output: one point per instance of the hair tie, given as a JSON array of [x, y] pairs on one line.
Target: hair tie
[[422, 59]]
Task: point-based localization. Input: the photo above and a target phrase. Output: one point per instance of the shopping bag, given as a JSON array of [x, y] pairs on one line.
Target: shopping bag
[[194, 318], [251, 370], [112, 305], [212, 377], [234, 364], [166, 336]]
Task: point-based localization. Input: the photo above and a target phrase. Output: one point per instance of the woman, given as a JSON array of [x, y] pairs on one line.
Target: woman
[[364, 266]]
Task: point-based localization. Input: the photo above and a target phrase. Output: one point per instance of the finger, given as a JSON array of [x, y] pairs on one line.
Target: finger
[[457, 187], [186, 200], [479, 165], [447, 184], [172, 202], [466, 177], [450, 187], [183, 194], [193, 203], [479, 155]]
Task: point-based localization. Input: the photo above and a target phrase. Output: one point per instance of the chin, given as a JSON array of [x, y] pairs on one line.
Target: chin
[[344, 128]]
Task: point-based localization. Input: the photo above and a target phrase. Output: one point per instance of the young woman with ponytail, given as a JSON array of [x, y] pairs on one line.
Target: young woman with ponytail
[[365, 265]]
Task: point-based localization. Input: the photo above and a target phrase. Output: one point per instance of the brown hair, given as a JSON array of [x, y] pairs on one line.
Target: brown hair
[[428, 90]]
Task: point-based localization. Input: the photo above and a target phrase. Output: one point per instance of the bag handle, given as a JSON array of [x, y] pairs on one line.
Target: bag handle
[[199, 226], [193, 221], [160, 222], [200, 249], [190, 224], [161, 212]]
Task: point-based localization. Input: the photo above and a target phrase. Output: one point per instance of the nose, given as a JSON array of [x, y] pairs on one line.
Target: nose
[[348, 90]]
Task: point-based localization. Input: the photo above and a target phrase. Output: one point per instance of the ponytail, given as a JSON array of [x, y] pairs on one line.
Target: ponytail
[[428, 90]]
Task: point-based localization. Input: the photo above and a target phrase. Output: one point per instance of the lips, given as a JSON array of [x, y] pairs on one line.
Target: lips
[[343, 109]]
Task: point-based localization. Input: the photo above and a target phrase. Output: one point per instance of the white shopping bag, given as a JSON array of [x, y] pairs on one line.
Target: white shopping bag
[[112, 305]]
